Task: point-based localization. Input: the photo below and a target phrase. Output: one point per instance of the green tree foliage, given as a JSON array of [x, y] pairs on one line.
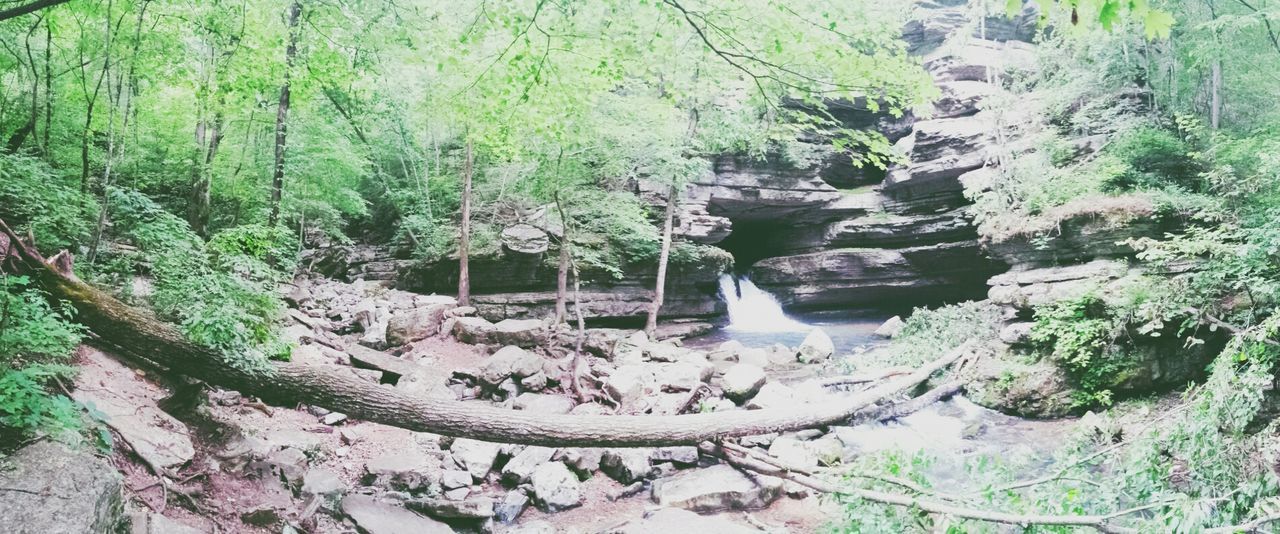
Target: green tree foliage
[[36, 344]]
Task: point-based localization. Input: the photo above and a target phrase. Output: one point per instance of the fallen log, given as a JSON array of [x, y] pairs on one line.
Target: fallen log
[[147, 338]]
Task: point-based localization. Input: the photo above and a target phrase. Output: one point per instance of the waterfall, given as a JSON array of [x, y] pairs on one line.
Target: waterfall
[[751, 309]]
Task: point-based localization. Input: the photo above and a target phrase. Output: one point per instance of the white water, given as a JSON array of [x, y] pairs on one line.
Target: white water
[[751, 309]]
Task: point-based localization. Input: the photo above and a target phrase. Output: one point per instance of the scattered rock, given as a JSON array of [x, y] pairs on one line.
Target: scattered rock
[[626, 465], [477, 457], [472, 508], [375, 517], [687, 455], [772, 395], [742, 381], [508, 362], [817, 347], [525, 239], [324, 484], [334, 418], [404, 471], [793, 452], [716, 488], [52, 489], [583, 461], [527, 333], [891, 327], [556, 488], [630, 383], [521, 466], [415, 325], [511, 506], [452, 479], [534, 527], [474, 330]]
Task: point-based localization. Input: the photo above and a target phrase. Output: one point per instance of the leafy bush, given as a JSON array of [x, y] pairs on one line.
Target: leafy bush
[[32, 197], [928, 333], [255, 251], [1081, 335], [1155, 158], [36, 341]]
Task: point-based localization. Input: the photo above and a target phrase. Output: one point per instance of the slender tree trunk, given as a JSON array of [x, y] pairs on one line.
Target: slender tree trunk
[[1215, 105], [660, 287], [198, 209], [562, 271], [282, 113], [48, 84], [35, 81], [464, 240]]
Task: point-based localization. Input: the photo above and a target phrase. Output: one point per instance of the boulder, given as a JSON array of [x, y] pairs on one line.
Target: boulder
[[510, 361], [53, 489], [474, 330], [524, 239], [686, 455], [376, 517], [521, 466], [742, 381], [527, 333], [817, 347], [511, 506], [543, 403], [891, 327], [671, 520], [476, 457], [470, 508], [630, 383], [716, 488], [583, 461], [324, 484], [403, 471], [793, 453], [555, 487], [626, 465], [414, 325]]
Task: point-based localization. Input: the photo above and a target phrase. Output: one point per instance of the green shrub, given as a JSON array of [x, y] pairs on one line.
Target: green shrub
[[32, 197], [1081, 335], [1156, 159], [928, 333], [36, 343], [255, 251]]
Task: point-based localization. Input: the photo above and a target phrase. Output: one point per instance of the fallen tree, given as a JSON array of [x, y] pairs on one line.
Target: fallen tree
[[142, 336]]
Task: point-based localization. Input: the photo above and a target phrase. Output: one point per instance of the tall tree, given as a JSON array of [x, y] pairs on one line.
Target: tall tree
[[464, 239], [282, 111]]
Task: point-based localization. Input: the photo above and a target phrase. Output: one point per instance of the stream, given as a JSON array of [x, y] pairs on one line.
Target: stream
[[951, 432]]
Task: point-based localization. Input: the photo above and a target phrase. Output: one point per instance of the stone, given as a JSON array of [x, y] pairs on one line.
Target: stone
[[457, 494], [324, 484], [543, 403], [630, 383], [470, 508], [521, 466], [534, 382], [534, 527], [424, 384], [477, 457], [681, 376], [583, 461], [716, 488], [511, 506], [288, 464], [686, 455], [524, 239], [404, 471], [416, 324], [527, 333], [817, 347], [793, 453], [473, 330], [742, 381], [452, 479], [672, 520], [828, 449], [334, 418], [153, 523], [53, 489], [509, 361], [375, 336], [555, 487], [773, 395], [376, 517], [626, 465], [1017, 333], [890, 328]]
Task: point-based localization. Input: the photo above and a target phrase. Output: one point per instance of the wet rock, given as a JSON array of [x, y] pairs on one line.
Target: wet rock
[[626, 465], [404, 471], [52, 489], [671, 520], [521, 466], [742, 381], [555, 487], [543, 403], [376, 517], [416, 324], [890, 328], [716, 488], [817, 347], [524, 239], [476, 457], [511, 506], [471, 508]]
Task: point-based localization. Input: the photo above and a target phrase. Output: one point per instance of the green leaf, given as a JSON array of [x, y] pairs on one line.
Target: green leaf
[[1158, 24]]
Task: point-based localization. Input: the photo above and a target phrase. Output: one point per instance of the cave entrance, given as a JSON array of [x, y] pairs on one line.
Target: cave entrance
[[752, 241]]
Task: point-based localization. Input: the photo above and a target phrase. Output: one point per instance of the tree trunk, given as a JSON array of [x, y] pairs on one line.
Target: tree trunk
[[282, 113], [464, 240], [660, 287], [1215, 105], [29, 8], [142, 337], [198, 209], [48, 84], [562, 270]]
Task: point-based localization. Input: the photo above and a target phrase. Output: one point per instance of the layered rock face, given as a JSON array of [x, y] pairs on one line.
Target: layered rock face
[[826, 234]]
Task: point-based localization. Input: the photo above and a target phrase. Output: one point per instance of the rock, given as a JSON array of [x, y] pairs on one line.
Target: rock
[[153, 523], [416, 324], [1017, 333], [630, 383], [52, 489], [773, 395], [404, 471], [681, 376], [287, 464], [365, 358], [757, 357], [524, 239], [477, 457], [891, 327], [543, 403], [521, 466], [583, 461], [375, 336], [687, 455], [473, 330], [527, 333], [375, 517], [424, 384], [324, 484], [452, 479], [793, 453], [471, 508], [534, 527], [511, 506], [742, 381], [509, 361], [672, 520], [458, 494], [716, 488], [334, 418], [817, 347], [829, 450], [626, 465], [555, 488], [534, 382]]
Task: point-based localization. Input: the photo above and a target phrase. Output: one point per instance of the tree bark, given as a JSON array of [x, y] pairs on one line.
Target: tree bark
[[282, 113], [29, 8], [48, 84], [198, 209], [660, 286], [562, 270], [464, 240], [142, 337], [1215, 105]]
